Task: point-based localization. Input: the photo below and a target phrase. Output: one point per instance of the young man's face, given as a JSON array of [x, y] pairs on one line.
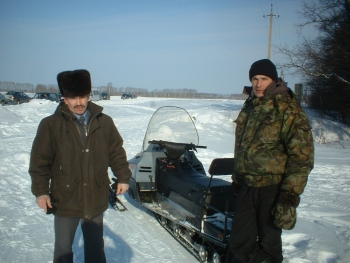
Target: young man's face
[[260, 83], [77, 105]]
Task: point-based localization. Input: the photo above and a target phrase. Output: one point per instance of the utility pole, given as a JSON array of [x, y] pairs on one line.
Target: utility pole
[[282, 74], [271, 15]]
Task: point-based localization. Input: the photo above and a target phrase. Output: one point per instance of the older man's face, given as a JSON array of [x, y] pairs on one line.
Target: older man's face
[[260, 83], [77, 105]]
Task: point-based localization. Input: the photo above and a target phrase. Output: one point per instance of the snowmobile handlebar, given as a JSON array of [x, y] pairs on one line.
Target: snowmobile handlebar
[[174, 150]]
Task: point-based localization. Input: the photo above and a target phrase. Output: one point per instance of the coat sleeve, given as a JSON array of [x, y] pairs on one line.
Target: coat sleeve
[[117, 156], [41, 160], [298, 142]]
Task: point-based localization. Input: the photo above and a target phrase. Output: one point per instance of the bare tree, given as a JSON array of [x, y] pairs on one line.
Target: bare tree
[[41, 88], [324, 62]]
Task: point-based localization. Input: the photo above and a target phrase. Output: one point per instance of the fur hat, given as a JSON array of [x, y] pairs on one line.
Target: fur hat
[[74, 83], [263, 67]]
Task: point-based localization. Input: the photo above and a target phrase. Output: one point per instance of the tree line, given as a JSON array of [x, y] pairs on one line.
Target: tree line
[[115, 91]]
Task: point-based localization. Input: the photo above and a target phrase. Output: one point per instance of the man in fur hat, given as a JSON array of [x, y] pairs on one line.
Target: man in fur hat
[[274, 154], [70, 156]]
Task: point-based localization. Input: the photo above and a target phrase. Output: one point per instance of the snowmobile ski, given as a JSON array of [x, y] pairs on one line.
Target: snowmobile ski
[[113, 198], [118, 205], [115, 201]]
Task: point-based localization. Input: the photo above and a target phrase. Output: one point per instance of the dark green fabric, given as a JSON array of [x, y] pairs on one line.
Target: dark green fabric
[[74, 172], [274, 143], [285, 216]]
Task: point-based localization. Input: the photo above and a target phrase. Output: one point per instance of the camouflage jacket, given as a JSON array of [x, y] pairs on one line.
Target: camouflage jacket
[[274, 141]]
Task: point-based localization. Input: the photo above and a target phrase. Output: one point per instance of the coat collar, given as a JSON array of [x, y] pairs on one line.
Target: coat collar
[[274, 88], [62, 109]]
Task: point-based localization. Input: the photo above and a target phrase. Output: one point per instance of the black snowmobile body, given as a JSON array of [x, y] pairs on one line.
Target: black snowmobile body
[[168, 179]]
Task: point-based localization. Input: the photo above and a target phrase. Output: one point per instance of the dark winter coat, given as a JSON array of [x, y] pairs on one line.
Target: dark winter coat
[[274, 141], [75, 173]]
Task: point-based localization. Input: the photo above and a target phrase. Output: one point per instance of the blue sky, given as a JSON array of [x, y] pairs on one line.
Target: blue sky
[[151, 44]]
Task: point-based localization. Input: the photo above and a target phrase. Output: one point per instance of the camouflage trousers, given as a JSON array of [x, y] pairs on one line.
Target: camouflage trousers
[[254, 236]]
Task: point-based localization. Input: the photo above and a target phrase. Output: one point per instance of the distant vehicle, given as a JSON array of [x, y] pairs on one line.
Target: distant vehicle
[[2, 99], [60, 96], [95, 95], [6, 99], [47, 96], [19, 97], [105, 96], [127, 96]]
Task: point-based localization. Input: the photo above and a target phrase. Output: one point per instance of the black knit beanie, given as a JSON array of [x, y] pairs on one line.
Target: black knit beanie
[[263, 67]]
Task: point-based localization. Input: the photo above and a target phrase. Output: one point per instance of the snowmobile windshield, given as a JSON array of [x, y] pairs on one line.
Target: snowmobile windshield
[[171, 124]]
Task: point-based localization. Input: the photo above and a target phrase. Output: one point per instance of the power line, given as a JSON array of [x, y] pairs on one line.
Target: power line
[[271, 15], [262, 11], [278, 23]]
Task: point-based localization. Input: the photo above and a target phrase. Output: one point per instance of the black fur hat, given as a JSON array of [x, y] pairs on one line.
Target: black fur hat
[[74, 83], [263, 67]]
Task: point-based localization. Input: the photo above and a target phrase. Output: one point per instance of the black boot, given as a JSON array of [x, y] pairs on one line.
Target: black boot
[[267, 260], [232, 258]]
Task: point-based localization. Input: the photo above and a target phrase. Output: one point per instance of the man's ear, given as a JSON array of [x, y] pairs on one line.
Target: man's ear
[[65, 100]]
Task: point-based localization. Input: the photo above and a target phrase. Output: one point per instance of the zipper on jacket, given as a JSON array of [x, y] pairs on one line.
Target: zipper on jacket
[[85, 130], [245, 124], [79, 132], [250, 112], [88, 127]]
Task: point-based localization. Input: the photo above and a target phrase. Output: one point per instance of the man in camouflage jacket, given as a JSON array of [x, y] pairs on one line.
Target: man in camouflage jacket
[[274, 155]]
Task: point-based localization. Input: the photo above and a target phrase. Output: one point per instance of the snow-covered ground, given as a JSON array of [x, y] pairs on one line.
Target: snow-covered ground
[[322, 233]]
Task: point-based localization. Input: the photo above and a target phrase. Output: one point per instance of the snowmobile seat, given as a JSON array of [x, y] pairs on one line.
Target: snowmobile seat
[[222, 166], [181, 178]]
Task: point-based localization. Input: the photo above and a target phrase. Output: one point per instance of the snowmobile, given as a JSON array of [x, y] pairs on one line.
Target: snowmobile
[[168, 179]]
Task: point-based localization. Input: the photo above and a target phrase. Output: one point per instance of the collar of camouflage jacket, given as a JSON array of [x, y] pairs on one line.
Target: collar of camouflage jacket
[[274, 88]]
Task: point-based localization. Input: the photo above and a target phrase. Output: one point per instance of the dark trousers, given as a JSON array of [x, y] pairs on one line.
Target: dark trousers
[[254, 237], [65, 228]]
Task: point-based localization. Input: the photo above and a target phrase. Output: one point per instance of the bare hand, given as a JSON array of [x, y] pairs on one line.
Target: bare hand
[[121, 188], [43, 202]]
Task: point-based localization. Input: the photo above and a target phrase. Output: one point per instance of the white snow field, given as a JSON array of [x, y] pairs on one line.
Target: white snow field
[[322, 233]]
